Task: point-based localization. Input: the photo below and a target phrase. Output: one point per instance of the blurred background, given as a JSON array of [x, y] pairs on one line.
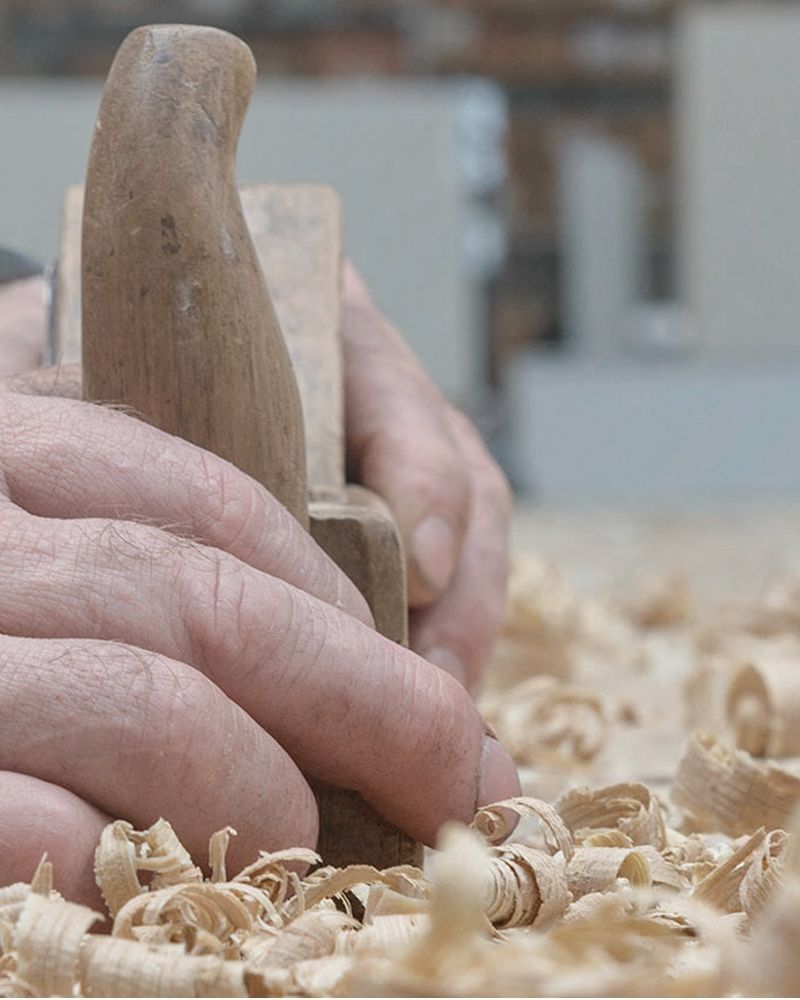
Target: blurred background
[[583, 214]]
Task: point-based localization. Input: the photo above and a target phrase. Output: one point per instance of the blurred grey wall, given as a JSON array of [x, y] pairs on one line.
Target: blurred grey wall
[[738, 114], [710, 413], [413, 162]]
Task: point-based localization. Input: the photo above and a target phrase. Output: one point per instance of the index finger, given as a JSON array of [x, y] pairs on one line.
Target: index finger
[[349, 707], [399, 444], [457, 633]]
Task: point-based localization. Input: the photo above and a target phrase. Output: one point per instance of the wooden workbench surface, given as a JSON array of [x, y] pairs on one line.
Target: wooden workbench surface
[[716, 565]]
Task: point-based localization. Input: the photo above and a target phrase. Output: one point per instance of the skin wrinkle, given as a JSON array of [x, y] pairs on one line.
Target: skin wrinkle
[[97, 669], [283, 549], [116, 547], [448, 741], [322, 632], [34, 734], [256, 653], [181, 746], [26, 554], [35, 809], [484, 560], [218, 492], [347, 670], [429, 484], [106, 590], [443, 746], [215, 641], [370, 341]]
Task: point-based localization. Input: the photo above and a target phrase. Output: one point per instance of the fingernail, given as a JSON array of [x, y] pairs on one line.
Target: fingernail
[[499, 778], [433, 548], [445, 658]]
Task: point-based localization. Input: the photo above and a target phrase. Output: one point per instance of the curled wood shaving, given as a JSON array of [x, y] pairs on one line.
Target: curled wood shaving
[[124, 852], [665, 873], [218, 852], [763, 706], [115, 866], [544, 721], [605, 838], [597, 896], [493, 920], [333, 882], [663, 602], [159, 851], [630, 809], [48, 943], [385, 902], [195, 915], [114, 967], [315, 978], [542, 621], [719, 789], [310, 936], [721, 887], [597, 869], [765, 873], [524, 887], [769, 963], [494, 823], [273, 873], [386, 933]]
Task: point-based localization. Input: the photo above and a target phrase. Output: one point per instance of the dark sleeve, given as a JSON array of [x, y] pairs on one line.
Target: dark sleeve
[[14, 266]]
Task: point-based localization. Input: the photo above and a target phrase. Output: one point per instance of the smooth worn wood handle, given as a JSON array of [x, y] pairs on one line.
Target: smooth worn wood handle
[[177, 320], [178, 324]]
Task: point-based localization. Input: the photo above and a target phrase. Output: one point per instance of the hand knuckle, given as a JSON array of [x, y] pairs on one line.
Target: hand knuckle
[[171, 716], [232, 509]]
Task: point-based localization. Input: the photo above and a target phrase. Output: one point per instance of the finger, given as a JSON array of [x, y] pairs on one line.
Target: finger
[[400, 446], [38, 818], [140, 736], [68, 459], [22, 324], [65, 381], [350, 707], [457, 633]]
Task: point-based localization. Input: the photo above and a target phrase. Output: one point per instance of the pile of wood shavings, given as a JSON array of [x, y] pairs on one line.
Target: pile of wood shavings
[[689, 887]]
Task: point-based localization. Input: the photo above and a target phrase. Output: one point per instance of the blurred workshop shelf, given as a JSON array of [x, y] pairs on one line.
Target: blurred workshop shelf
[[622, 432]]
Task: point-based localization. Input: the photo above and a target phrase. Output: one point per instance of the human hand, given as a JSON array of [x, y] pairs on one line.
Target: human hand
[[174, 644], [426, 459], [451, 501]]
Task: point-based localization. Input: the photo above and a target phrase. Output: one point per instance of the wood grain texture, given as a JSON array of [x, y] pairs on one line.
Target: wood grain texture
[[297, 234], [177, 321], [65, 322], [178, 324], [361, 536]]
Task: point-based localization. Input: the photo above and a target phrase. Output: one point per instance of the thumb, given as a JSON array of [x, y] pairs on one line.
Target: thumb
[[400, 446]]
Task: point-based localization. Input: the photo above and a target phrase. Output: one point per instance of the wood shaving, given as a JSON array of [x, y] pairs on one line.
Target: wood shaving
[[543, 720], [663, 602], [543, 620], [493, 823], [775, 613], [724, 790], [630, 809], [488, 920], [613, 884], [763, 705]]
